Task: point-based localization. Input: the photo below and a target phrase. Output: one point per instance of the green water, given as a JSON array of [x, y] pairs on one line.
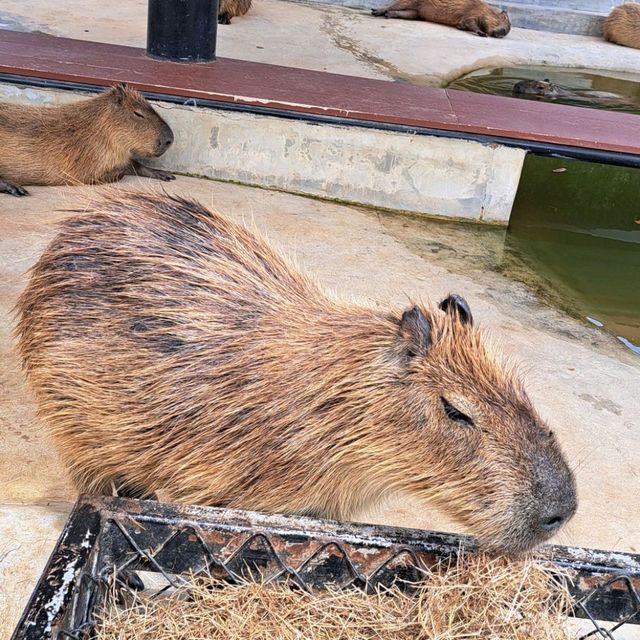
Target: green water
[[574, 236], [500, 82]]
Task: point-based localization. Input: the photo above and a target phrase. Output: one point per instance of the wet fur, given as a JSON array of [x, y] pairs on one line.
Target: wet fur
[[622, 25], [87, 142], [231, 8], [468, 15], [172, 347]]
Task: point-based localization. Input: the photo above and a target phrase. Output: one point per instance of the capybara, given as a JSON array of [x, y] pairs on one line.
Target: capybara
[[87, 142], [172, 351], [622, 25], [551, 91], [231, 8], [468, 15]]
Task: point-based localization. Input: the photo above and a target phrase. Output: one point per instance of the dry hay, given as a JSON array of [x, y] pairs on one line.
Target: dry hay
[[475, 598]]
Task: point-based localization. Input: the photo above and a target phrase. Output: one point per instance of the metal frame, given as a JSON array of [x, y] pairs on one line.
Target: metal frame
[[106, 537]]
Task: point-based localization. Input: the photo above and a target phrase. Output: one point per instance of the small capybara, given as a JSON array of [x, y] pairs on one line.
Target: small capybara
[[552, 91], [88, 142], [173, 351], [468, 15], [231, 8], [622, 25]]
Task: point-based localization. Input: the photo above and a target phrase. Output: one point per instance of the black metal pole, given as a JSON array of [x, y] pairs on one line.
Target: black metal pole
[[182, 30]]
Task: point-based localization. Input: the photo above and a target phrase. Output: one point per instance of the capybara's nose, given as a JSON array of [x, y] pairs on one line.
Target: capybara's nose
[[553, 524], [169, 139], [554, 518]]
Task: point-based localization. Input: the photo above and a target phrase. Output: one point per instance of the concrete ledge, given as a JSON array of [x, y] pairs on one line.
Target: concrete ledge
[[412, 173], [557, 19]]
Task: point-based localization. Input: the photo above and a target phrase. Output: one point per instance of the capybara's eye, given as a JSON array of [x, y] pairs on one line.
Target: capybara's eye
[[137, 113], [455, 415]]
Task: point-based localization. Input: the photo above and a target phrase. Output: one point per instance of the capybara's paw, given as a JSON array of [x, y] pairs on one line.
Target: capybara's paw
[[165, 176], [13, 189], [379, 12], [130, 579], [224, 19]]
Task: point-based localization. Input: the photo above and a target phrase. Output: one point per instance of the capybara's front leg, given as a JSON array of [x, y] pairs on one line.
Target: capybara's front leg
[[406, 14], [12, 189], [472, 24], [405, 9], [136, 168]]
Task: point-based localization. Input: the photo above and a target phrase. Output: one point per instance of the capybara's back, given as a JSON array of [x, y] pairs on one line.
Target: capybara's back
[[622, 25], [171, 350], [231, 8]]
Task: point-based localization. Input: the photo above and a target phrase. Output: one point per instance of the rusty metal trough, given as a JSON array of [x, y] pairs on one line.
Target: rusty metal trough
[[107, 536]]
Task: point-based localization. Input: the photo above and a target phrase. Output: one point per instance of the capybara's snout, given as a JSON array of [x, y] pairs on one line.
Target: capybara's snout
[[545, 506], [555, 490], [165, 140]]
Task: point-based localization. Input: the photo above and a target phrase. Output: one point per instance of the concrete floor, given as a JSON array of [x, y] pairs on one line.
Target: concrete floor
[[329, 38], [584, 383]]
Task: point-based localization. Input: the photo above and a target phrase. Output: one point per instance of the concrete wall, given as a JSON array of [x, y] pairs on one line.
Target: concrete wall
[[418, 174]]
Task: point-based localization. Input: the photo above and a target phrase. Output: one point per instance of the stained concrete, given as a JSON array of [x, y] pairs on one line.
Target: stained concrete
[[403, 171], [329, 38], [585, 383]]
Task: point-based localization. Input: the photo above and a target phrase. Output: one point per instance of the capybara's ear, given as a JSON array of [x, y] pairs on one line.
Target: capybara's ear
[[415, 331], [457, 305], [119, 93]]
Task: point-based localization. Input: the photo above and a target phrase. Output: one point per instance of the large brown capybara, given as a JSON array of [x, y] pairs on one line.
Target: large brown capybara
[[231, 8], [87, 142], [171, 350], [622, 25], [468, 15]]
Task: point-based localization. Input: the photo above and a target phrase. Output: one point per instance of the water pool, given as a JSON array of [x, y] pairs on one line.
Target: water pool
[[500, 82]]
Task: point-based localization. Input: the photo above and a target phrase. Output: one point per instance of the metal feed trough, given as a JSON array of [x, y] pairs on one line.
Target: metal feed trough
[[146, 541]]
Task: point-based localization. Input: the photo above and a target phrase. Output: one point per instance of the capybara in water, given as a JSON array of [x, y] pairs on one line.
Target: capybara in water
[[622, 25], [231, 8], [468, 15], [173, 351], [87, 142], [552, 91]]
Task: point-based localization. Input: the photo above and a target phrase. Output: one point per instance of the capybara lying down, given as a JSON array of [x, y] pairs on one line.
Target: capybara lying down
[[231, 8], [88, 142], [622, 25], [172, 350], [468, 15]]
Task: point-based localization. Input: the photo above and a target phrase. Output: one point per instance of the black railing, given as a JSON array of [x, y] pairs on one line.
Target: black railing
[[182, 30]]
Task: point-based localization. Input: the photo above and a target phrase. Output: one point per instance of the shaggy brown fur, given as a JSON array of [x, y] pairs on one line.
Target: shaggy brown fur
[[232, 8], [87, 142], [622, 25], [468, 15], [175, 351]]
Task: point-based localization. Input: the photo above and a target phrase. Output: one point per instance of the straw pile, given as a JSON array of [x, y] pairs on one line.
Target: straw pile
[[476, 599]]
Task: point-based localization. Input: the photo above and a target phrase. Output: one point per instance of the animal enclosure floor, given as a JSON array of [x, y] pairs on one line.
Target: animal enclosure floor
[[330, 38], [584, 383]]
